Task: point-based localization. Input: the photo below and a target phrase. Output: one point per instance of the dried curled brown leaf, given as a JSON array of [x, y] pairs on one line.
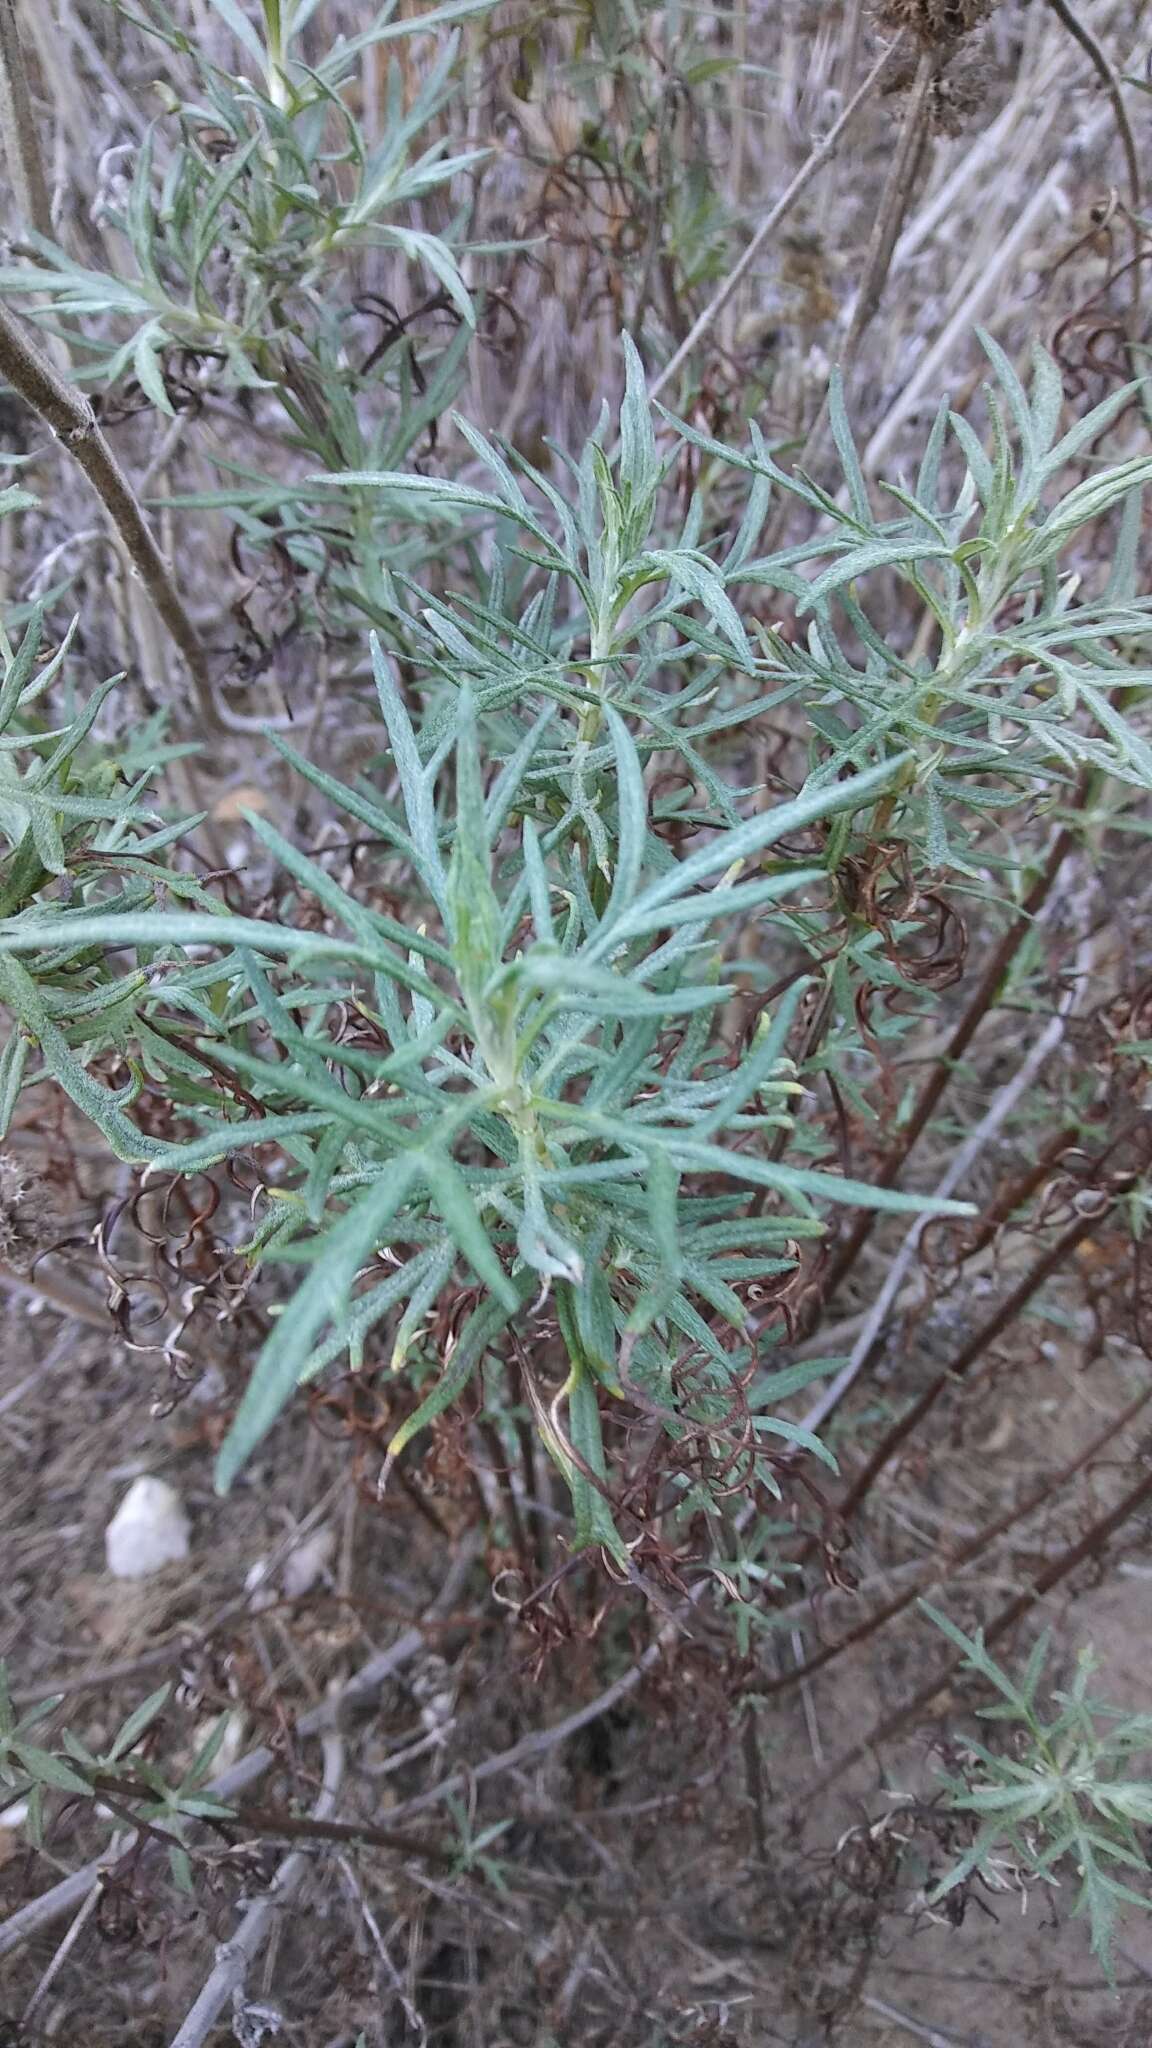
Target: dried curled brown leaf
[[29, 1216]]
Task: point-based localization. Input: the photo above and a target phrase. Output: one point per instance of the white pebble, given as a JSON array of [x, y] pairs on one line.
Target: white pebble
[[297, 1573], [308, 1562], [148, 1530]]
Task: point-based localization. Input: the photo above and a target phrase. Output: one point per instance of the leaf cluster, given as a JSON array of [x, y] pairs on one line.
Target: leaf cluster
[[541, 1091], [30, 1770], [1071, 1791]]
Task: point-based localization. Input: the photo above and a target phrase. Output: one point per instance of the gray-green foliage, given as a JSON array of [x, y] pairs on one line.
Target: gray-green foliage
[[254, 206], [32, 1768], [525, 1110], [1027, 683], [235, 222], [1071, 1795], [77, 829], [540, 1093]]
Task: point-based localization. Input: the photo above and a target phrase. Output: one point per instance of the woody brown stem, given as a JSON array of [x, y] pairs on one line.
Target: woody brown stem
[[1089, 1545], [73, 422], [273, 1824], [974, 1350], [1004, 1205], [983, 999], [954, 1561], [18, 130]]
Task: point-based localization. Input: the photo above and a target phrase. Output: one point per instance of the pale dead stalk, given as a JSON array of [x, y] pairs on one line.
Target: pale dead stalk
[[1033, 110], [236, 1957], [65, 1947], [815, 163], [360, 1905], [71, 1300], [959, 1167], [890, 218], [931, 2035], [892, 211], [980, 281]]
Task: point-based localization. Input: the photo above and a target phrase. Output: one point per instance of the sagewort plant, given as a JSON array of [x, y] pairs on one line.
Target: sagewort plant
[[530, 1096], [543, 1103], [252, 208], [1073, 1789]]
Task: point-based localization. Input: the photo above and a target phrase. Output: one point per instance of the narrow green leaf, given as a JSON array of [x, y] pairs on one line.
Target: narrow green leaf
[[632, 816], [703, 581], [538, 887], [592, 1514], [324, 1297], [450, 1192], [846, 449], [418, 802], [18, 672], [233, 14], [877, 554], [99, 1104], [146, 360], [224, 1141], [726, 899], [140, 1719], [46, 1769], [639, 462], [822, 800], [482, 1328], [1014, 392]]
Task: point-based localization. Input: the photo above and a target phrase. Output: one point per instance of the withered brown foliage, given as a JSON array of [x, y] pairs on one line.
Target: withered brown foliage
[[937, 24]]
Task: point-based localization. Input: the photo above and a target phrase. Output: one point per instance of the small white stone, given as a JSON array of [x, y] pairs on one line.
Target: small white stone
[[296, 1574], [148, 1530], [308, 1562], [255, 1583]]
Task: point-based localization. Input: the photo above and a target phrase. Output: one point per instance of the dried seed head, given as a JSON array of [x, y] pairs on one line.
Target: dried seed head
[[959, 92], [938, 24]]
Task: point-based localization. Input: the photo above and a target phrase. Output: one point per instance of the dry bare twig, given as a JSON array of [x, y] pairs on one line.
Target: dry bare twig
[[63, 1898], [956, 1559], [1001, 1108], [1105, 71], [890, 216], [64, 1948]]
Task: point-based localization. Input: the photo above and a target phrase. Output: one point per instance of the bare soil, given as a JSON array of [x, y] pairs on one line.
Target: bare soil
[[645, 1899]]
